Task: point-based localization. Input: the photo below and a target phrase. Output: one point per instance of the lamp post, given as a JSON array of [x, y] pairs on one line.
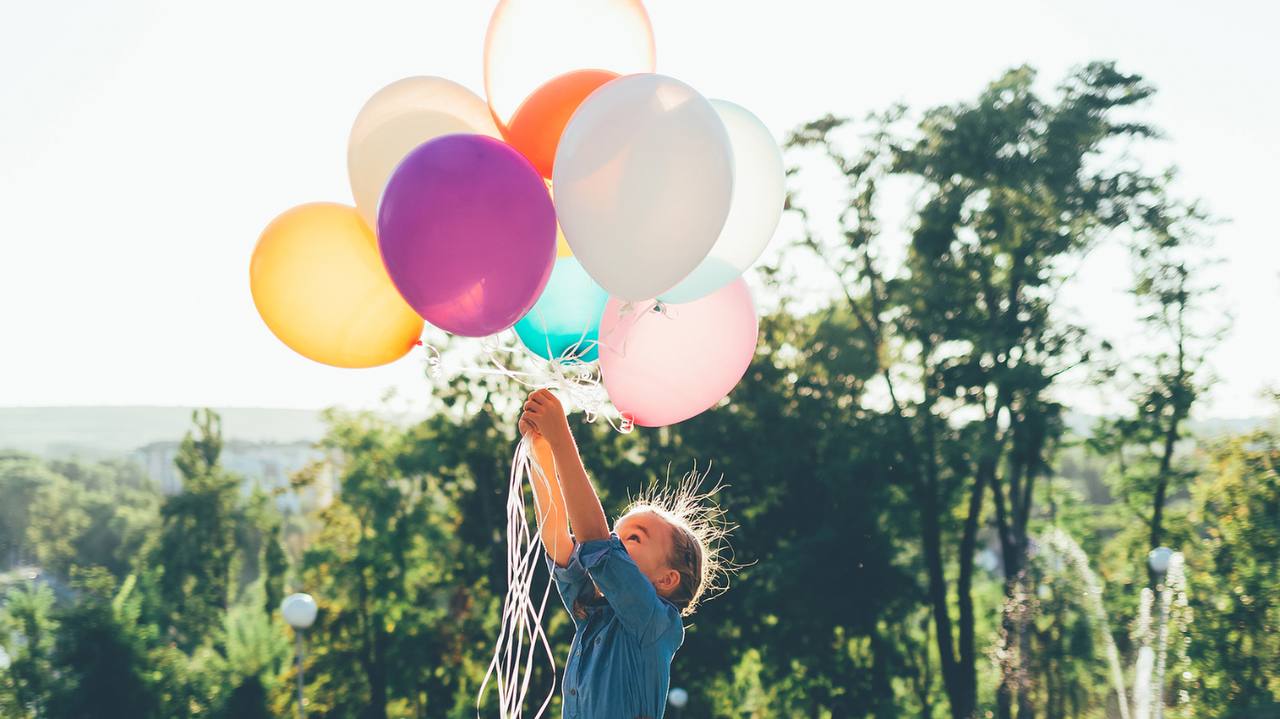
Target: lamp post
[[677, 698], [1158, 559], [299, 611]]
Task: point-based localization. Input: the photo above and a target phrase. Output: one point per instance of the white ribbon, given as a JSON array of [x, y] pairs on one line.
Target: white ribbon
[[519, 618]]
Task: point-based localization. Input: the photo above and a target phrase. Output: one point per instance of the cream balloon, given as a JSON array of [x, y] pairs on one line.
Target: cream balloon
[[759, 193], [643, 179], [530, 42], [397, 119]]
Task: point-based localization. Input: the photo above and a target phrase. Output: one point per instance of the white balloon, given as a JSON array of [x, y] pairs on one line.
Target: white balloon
[[643, 180], [759, 193], [397, 119]]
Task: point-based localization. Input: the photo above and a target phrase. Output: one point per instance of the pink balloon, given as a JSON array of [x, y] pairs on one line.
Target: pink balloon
[[663, 368]]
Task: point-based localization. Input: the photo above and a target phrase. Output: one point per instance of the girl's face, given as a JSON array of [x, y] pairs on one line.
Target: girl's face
[[647, 538]]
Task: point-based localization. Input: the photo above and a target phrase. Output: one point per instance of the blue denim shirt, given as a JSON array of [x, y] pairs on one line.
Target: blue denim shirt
[[620, 660]]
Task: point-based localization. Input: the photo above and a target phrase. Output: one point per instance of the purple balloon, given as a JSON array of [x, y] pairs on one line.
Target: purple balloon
[[467, 232]]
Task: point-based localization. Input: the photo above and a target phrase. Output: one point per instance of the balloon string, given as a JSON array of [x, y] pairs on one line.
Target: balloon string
[[578, 383], [519, 618], [626, 311]]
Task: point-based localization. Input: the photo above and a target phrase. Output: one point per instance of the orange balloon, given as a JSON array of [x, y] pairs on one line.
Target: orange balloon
[[536, 126], [319, 283]]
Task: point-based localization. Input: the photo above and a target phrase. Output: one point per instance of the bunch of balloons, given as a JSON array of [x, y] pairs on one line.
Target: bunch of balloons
[[662, 199]]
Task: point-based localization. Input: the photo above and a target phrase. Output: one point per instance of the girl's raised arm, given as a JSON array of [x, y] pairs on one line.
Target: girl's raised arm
[[546, 415], [553, 523]]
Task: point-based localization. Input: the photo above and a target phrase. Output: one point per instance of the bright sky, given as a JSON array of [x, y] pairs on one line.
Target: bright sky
[[144, 145]]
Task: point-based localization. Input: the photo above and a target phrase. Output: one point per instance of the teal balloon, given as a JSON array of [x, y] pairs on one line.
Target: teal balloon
[[564, 323]]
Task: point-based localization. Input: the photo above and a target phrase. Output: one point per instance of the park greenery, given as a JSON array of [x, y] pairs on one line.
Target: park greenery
[[894, 455]]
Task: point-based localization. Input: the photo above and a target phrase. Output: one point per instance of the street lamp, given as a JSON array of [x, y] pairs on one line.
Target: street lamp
[[677, 698], [299, 611], [1158, 559]]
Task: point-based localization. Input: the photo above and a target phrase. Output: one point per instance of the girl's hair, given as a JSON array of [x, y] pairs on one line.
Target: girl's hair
[[698, 540]]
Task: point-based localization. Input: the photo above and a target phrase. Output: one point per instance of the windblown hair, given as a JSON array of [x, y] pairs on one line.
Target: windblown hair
[[698, 540]]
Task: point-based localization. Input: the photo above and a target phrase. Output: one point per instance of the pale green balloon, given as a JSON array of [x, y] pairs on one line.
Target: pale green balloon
[[759, 192]]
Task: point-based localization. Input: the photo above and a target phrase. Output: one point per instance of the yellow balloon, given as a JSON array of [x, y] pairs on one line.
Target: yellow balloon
[[562, 245], [318, 282]]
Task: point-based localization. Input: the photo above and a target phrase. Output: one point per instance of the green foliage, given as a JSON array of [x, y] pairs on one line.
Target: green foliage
[[1168, 376], [100, 662], [21, 479], [1010, 193], [1237, 590], [190, 564], [28, 630]]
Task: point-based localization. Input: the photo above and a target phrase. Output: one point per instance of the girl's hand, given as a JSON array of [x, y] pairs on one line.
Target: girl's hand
[[528, 430], [544, 415]]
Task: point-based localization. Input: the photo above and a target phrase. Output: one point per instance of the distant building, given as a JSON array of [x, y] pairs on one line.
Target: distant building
[[260, 464]]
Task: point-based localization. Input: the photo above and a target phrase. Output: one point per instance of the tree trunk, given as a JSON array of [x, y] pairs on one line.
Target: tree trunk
[[961, 701], [377, 708], [964, 593]]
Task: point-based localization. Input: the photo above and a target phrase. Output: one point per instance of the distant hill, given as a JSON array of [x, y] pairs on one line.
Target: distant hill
[[97, 432], [100, 432]]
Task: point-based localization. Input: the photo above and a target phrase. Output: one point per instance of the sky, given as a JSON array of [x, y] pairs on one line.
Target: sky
[[144, 145]]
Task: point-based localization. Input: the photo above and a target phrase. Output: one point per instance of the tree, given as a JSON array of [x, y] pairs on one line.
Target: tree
[[258, 651], [1237, 590], [100, 662], [191, 561], [1009, 192], [1170, 375], [21, 478], [388, 571], [120, 506], [29, 631], [261, 555]]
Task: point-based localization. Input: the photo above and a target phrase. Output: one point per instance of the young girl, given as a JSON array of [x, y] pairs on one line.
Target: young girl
[[626, 589]]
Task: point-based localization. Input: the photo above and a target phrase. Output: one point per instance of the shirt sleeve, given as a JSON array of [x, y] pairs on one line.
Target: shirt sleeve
[[570, 579], [631, 595]]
